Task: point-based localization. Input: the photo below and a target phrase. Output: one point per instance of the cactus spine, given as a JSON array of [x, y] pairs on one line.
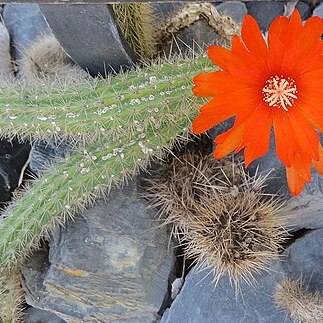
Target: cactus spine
[[124, 121]]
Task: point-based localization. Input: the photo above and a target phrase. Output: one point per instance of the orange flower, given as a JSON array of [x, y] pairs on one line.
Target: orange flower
[[276, 84]]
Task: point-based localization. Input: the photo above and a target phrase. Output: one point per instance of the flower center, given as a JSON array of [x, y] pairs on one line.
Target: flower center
[[280, 92]]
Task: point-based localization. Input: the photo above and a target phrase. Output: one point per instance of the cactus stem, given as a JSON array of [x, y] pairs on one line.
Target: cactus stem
[[144, 115]]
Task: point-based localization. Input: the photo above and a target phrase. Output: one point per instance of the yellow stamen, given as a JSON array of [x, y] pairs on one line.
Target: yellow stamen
[[280, 92]]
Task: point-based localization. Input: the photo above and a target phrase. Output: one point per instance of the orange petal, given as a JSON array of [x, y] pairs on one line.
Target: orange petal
[[238, 46], [305, 62], [221, 56], [299, 173], [241, 51], [229, 140], [238, 103], [285, 142], [293, 29], [311, 108], [283, 40], [294, 181], [313, 79], [211, 114], [248, 65], [302, 166], [319, 164], [252, 36], [312, 32], [276, 51], [214, 83], [257, 135], [276, 46], [306, 137], [276, 30]]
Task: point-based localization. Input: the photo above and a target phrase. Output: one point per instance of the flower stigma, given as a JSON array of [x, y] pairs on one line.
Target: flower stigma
[[280, 92]]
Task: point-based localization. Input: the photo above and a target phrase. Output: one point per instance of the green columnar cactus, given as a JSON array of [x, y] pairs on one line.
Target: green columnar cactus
[[136, 23], [124, 121], [106, 109]]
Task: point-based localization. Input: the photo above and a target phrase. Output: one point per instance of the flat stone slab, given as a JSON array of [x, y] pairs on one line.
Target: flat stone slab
[[14, 157], [25, 23], [318, 11], [304, 259], [34, 315], [306, 210], [234, 9], [90, 35], [265, 11], [111, 264], [200, 301], [44, 154], [5, 58]]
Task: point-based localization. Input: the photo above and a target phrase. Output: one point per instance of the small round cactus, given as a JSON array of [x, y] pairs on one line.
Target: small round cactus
[[301, 305], [11, 297], [220, 216], [45, 58]]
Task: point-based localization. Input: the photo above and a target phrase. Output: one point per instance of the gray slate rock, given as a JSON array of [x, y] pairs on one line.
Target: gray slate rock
[[234, 9], [277, 182], [90, 36], [112, 264], [34, 315], [303, 211], [306, 210], [304, 9], [43, 154], [264, 12], [304, 259], [14, 158], [5, 58], [200, 301], [197, 35], [25, 23], [318, 11]]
